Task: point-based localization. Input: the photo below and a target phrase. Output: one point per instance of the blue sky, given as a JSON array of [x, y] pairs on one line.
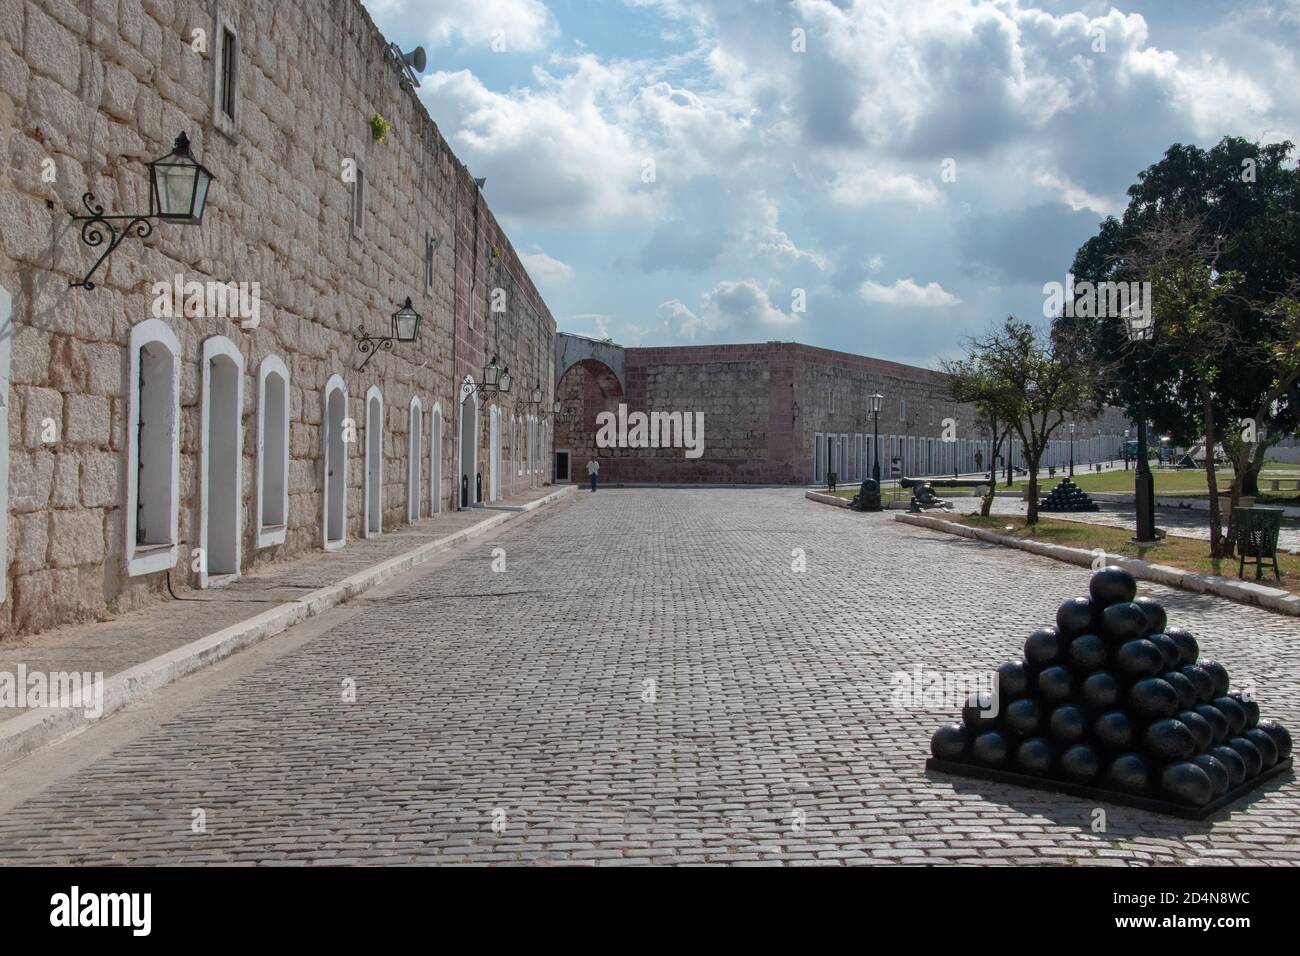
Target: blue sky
[[909, 171]]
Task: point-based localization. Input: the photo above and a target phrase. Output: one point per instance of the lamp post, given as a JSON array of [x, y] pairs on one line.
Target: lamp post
[[876, 399], [1071, 449], [178, 192], [1141, 330]]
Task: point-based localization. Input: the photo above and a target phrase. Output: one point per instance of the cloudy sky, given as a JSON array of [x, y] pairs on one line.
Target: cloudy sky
[[878, 176]]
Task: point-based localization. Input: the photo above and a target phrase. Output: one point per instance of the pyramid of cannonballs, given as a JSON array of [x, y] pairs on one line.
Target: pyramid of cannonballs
[[1114, 703], [1067, 496]]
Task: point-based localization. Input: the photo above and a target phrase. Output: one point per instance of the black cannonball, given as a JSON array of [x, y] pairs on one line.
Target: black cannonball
[[990, 749], [1100, 691], [1231, 761], [1153, 698], [1182, 686], [1188, 649], [1281, 737], [976, 714], [1130, 773], [1218, 673], [1124, 622], [1013, 679], [1112, 585], [1087, 652], [1055, 684], [1080, 763], [1022, 717], [1074, 617], [1199, 726], [949, 742], [1068, 724], [1113, 730], [1201, 680], [1138, 658], [1169, 739], [1187, 783], [1249, 755], [1156, 617], [1249, 705], [1044, 647], [1264, 744], [1235, 713], [1215, 770], [1034, 756], [1214, 717], [1168, 650]]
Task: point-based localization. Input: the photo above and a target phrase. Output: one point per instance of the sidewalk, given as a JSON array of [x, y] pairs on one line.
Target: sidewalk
[[262, 603]]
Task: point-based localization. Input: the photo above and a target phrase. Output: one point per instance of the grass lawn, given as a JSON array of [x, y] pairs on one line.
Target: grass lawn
[[1187, 553], [1184, 483]]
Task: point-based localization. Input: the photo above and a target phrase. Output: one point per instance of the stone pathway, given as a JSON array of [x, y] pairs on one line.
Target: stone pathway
[[650, 679], [109, 647]]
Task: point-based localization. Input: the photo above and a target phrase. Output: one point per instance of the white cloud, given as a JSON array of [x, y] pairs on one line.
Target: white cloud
[[905, 292], [1075, 197], [598, 325], [862, 186], [544, 268], [550, 152], [738, 308], [764, 237], [507, 26]]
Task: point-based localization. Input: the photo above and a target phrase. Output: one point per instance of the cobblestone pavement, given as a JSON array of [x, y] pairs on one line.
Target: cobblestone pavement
[[522, 699], [1183, 522], [135, 636]]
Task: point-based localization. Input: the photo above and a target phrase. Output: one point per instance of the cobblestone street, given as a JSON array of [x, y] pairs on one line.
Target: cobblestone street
[[648, 680]]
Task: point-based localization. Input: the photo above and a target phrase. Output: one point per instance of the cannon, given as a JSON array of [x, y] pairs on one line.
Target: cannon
[[868, 496], [923, 495]]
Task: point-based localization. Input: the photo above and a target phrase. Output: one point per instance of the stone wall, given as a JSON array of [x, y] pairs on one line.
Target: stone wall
[[766, 405], [91, 91]]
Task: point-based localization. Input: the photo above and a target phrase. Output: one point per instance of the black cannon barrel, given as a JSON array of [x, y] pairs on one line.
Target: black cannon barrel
[[943, 482]]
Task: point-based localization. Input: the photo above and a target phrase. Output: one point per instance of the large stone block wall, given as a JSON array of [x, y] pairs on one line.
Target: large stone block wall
[[765, 404], [90, 91]]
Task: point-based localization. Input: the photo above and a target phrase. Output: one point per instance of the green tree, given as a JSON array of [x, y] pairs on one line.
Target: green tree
[[1240, 203], [1030, 380]]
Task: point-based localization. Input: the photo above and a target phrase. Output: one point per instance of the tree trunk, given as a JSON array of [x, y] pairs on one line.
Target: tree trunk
[[1032, 465], [1251, 487], [1211, 479], [986, 507]]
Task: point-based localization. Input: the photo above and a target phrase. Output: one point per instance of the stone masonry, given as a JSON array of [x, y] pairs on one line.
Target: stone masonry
[[766, 406], [89, 92]]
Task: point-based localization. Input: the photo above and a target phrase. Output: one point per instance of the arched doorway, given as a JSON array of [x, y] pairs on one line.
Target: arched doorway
[[435, 461], [414, 459], [221, 460], [587, 388], [334, 462], [373, 483], [465, 484], [494, 453]]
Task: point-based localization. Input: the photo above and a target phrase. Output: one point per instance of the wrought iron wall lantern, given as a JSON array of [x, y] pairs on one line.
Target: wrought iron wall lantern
[[178, 192], [496, 379], [558, 413], [406, 325]]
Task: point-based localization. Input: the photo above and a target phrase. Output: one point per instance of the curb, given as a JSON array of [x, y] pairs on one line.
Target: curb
[[1242, 592], [36, 728], [835, 500]]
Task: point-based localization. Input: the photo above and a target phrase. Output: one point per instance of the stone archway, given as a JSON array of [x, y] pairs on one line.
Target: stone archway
[[587, 388]]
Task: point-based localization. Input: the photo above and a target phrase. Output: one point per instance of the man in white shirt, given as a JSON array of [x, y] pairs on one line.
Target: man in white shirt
[[593, 469]]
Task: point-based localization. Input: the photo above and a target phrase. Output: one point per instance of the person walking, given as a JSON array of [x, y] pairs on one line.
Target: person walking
[[593, 469]]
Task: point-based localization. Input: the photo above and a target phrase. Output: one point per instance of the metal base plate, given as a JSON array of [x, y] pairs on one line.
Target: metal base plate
[[1183, 810]]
